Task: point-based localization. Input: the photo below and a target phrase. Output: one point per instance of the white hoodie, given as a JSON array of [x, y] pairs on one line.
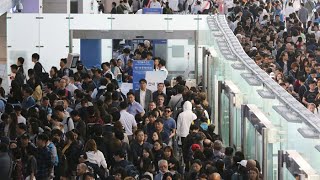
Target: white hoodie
[[185, 119]]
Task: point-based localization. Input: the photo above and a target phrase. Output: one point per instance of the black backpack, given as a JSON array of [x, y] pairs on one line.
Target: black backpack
[[100, 93], [131, 170]]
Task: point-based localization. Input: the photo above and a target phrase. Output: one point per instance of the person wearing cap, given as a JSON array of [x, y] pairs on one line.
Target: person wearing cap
[[310, 95]]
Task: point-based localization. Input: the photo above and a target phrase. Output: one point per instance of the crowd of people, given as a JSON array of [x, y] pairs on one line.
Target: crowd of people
[[167, 6], [284, 41], [77, 124]]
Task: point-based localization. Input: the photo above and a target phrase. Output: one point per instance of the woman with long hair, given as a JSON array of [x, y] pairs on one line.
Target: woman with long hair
[[13, 122], [172, 161], [94, 156], [70, 155], [253, 174]]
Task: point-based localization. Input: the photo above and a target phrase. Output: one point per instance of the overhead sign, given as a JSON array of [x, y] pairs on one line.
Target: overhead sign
[[140, 67], [152, 11]]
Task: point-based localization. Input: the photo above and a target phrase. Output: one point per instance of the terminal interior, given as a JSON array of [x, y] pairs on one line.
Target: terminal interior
[[251, 112]]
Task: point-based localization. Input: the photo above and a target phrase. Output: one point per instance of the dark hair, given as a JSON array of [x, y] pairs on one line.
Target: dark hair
[[55, 69], [126, 50], [74, 113], [59, 108], [35, 56], [103, 81], [14, 66], [31, 72], [162, 62], [180, 89], [123, 105], [64, 60], [167, 174], [22, 126], [142, 80], [229, 151], [130, 93], [43, 137], [21, 60]]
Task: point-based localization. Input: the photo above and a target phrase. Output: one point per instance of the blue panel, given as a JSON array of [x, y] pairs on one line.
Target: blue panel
[[90, 52], [152, 11], [139, 71]]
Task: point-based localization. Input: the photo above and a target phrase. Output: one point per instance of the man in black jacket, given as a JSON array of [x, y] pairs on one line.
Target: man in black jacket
[[37, 65]]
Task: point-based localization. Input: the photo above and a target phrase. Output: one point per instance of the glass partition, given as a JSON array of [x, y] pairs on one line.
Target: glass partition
[[286, 134]]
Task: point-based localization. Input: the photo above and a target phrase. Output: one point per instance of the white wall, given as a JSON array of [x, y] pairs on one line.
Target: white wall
[[50, 35]]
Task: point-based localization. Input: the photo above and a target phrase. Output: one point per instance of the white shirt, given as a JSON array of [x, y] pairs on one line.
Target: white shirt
[[21, 119], [71, 88], [163, 68], [97, 158], [95, 91], [155, 4], [110, 72], [142, 98], [185, 119], [128, 121], [69, 126], [116, 71]]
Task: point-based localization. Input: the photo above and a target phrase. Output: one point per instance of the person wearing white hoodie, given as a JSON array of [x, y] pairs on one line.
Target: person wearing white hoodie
[[185, 120]]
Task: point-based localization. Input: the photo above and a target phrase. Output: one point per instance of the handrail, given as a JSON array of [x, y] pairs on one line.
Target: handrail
[[290, 102]]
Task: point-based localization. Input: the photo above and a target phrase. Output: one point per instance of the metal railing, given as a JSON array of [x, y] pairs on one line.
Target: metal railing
[[219, 22]]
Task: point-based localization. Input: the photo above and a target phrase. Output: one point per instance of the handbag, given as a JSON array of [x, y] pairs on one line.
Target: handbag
[[45, 76]]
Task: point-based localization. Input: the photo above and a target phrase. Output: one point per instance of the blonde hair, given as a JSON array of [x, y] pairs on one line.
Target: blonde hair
[[203, 98], [91, 146]]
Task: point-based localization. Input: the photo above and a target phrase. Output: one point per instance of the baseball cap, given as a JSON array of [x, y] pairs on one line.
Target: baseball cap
[[195, 147], [243, 163]]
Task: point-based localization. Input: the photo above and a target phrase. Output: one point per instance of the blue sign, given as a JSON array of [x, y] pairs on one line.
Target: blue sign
[[152, 11], [140, 67]]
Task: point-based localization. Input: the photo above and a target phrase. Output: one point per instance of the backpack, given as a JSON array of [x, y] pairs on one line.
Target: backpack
[[55, 159], [99, 172], [237, 176], [67, 123], [131, 170], [68, 71], [44, 75], [100, 93]]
